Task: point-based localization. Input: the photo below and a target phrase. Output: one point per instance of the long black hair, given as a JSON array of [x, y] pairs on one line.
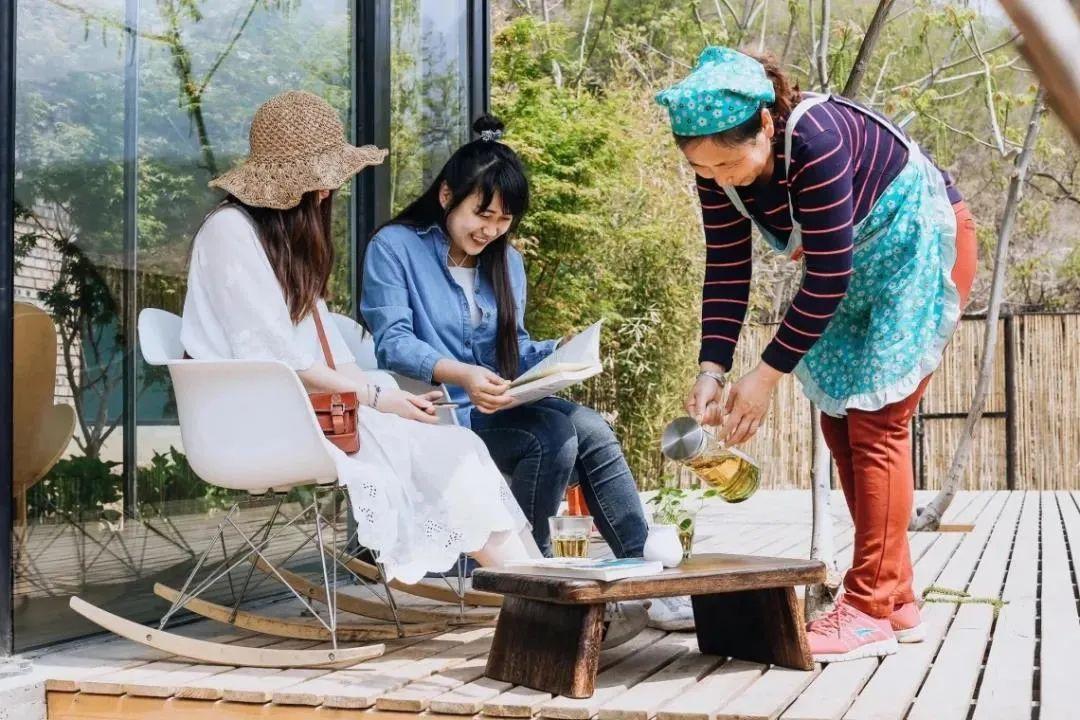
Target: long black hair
[[486, 166]]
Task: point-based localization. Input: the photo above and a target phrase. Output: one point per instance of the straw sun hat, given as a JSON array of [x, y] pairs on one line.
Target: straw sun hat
[[297, 144]]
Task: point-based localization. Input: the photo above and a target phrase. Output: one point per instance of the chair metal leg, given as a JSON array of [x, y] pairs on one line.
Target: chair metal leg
[[225, 567], [390, 597], [198, 566], [257, 552], [241, 556], [340, 559], [251, 568], [462, 564], [331, 588]]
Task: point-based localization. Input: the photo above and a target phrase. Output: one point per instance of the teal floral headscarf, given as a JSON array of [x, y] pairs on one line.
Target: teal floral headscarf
[[725, 89]]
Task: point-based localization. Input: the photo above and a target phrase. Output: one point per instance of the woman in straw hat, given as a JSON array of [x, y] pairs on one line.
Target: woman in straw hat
[[889, 252], [421, 493]]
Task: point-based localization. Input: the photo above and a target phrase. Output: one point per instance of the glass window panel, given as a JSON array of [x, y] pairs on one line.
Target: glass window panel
[[202, 70], [429, 93]]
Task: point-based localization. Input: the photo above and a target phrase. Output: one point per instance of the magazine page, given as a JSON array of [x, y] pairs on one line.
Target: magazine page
[[549, 385], [581, 352]]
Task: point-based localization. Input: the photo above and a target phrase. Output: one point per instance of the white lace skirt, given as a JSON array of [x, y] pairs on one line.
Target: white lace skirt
[[423, 494]]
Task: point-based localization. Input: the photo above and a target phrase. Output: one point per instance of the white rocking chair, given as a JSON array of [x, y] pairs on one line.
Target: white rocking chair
[[248, 426]]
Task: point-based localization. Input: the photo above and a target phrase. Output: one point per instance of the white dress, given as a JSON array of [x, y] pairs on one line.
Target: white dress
[[421, 494]]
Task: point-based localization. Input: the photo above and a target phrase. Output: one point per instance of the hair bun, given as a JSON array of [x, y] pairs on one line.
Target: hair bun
[[488, 127]]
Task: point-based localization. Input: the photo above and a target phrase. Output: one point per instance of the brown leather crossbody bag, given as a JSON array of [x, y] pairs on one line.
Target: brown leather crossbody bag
[[335, 411]]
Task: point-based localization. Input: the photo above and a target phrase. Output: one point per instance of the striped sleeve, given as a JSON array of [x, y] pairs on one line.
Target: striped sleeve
[[821, 192], [726, 289]]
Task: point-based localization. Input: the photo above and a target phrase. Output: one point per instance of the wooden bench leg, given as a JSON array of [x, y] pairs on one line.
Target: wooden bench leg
[[546, 646], [758, 625]]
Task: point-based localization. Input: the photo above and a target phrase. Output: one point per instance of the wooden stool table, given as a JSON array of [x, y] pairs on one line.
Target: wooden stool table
[[550, 628]]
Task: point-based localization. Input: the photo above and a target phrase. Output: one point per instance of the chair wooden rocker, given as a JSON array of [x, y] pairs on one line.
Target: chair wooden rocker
[[248, 426]]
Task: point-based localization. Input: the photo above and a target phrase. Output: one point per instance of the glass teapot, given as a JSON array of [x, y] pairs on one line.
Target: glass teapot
[[732, 473]]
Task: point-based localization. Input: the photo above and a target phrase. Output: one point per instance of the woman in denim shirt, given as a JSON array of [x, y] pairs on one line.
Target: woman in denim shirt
[[444, 295]]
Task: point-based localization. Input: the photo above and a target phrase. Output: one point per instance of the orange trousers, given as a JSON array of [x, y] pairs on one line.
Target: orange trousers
[[872, 451]]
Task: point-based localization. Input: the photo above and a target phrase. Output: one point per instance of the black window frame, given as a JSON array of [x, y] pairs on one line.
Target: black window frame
[[7, 309], [371, 119]]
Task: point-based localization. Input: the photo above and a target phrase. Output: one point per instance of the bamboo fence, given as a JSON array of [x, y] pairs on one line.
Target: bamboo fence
[[1028, 438]]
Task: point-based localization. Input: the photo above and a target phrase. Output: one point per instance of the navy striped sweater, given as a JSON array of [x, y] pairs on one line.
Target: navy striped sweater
[[842, 160]]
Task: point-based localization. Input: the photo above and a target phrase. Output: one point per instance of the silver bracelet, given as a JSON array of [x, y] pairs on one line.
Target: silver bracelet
[[721, 378], [374, 391]]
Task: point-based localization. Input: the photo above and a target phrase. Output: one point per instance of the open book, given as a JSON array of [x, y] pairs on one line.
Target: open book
[[587, 569], [577, 360]]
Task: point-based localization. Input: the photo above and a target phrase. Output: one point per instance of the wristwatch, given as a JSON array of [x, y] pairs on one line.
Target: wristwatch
[[720, 378]]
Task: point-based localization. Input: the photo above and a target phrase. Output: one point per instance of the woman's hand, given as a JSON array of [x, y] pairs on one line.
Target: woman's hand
[[486, 389], [706, 397], [748, 403], [409, 406]]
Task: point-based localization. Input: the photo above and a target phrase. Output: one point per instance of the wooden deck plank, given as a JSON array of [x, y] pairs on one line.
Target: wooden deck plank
[[704, 700], [469, 699], [614, 681], [1061, 626], [889, 692], [965, 507], [1006, 688], [642, 701], [212, 687], [112, 683], [769, 695], [417, 695], [739, 537], [830, 694], [260, 689], [519, 701], [67, 670], [165, 685], [361, 685], [934, 559], [358, 687], [769, 524], [950, 685]]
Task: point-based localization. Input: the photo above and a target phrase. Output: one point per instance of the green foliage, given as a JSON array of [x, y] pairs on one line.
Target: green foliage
[[603, 237], [83, 487], [615, 229], [678, 506], [169, 477]]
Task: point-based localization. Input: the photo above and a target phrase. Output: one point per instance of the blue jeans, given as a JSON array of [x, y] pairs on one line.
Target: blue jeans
[[553, 443]]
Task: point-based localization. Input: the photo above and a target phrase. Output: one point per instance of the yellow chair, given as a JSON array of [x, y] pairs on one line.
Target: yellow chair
[[41, 429]]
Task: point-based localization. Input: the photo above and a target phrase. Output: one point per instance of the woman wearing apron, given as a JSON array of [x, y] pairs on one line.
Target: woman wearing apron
[[889, 252]]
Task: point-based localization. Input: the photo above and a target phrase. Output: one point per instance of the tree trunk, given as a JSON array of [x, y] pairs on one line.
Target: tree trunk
[[821, 597], [792, 17], [823, 49], [866, 49], [929, 518]]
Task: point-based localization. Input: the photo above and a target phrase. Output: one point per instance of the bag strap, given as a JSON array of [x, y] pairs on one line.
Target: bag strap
[[322, 338]]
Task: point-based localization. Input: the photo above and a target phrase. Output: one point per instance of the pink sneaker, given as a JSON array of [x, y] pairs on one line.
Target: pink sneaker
[[849, 634], [906, 622]]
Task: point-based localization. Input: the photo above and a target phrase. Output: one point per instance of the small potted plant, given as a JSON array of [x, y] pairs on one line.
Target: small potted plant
[[678, 507]]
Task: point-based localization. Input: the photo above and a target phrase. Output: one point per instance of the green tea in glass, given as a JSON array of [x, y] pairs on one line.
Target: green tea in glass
[[570, 535], [732, 473]]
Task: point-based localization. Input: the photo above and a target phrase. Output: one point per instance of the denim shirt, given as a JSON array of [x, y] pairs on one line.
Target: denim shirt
[[419, 315]]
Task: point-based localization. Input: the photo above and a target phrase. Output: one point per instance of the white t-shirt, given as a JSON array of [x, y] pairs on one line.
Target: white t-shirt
[[235, 307], [466, 278]]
